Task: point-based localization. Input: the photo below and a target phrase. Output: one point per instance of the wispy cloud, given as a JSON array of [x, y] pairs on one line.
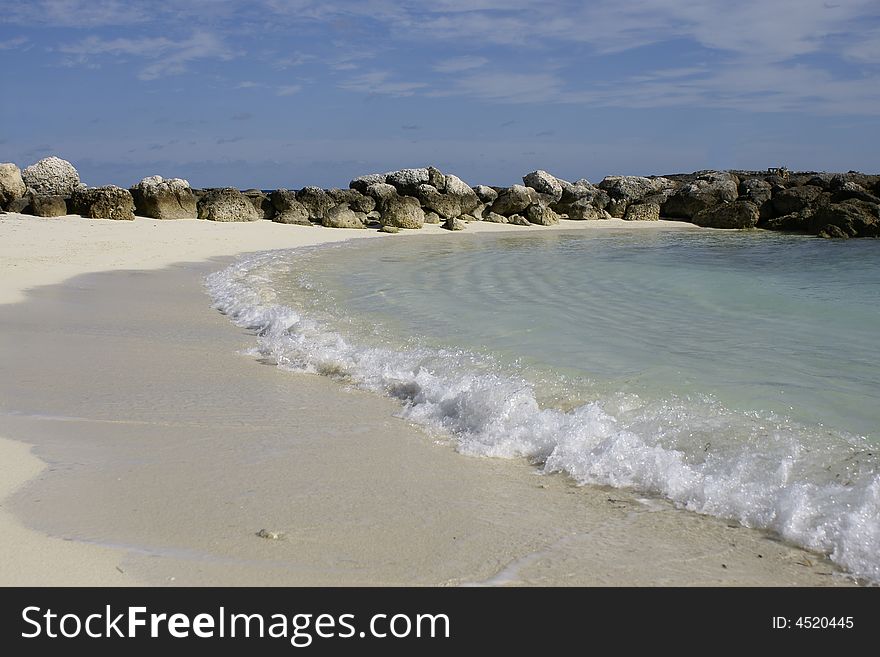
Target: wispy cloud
[[165, 56], [13, 44], [457, 64], [380, 82], [288, 90], [242, 116]]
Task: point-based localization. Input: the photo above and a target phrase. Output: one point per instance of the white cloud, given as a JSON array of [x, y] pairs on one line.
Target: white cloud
[[288, 90], [457, 64], [166, 56], [13, 44], [378, 82]]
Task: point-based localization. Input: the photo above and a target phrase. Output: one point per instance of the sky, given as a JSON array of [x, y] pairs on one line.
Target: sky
[[288, 93]]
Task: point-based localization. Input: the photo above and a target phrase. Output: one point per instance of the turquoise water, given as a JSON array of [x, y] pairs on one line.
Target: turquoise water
[[732, 373]]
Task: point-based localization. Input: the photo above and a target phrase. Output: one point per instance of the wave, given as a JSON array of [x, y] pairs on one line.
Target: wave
[[815, 488]]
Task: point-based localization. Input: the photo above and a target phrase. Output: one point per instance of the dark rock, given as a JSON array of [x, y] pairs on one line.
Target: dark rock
[[738, 214], [643, 212], [20, 205], [432, 218], [287, 209], [362, 182], [108, 202], [833, 232], [695, 197], [495, 218], [514, 199], [381, 191], [341, 216], [436, 179], [48, 206], [391, 229], [518, 220], [794, 199], [402, 212], [227, 204], [538, 213], [316, 201], [454, 223], [354, 199], [261, 202], [158, 198], [485, 193], [855, 217]]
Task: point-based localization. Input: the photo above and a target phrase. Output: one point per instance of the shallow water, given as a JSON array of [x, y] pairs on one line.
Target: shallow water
[[733, 373]]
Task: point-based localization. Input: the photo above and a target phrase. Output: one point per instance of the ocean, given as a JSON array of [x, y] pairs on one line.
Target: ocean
[[732, 373]]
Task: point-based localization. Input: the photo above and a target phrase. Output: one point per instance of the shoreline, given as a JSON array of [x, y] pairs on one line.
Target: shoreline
[[530, 549]]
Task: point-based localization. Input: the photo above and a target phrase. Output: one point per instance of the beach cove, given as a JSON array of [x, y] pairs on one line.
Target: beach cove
[[156, 451]]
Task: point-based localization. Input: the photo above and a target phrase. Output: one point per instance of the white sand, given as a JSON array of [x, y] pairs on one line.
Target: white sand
[[580, 536]]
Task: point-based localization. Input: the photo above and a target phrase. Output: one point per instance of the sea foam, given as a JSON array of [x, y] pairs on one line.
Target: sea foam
[[814, 488]]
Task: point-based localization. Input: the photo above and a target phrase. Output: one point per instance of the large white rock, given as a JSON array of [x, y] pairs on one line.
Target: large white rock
[[51, 176]]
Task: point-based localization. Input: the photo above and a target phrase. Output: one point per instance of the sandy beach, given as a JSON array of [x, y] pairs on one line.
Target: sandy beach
[[140, 446]]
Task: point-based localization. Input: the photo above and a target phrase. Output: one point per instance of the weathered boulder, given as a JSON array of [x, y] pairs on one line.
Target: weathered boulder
[[261, 202], [624, 190], [850, 190], [109, 202], [51, 176], [738, 214], [436, 179], [12, 186], [159, 198], [579, 210], [855, 217], [544, 183], [406, 181], [454, 223], [390, 229], [354, 199], [518, 220], [362, 182], [380, 191], [462, 192], [514, 199], [757, 191], [538, 213], [287, 209], [832, 232], [691, 199], [795, 199], [495, 218], [402, 211], [713, 176], [642, 212], [342, 216], [48, 206], [485, 193], [444, 205], [432, 218], [226, 204], [316, 201]]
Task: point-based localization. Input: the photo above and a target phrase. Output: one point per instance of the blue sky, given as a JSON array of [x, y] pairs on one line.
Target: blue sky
[[273, 93]]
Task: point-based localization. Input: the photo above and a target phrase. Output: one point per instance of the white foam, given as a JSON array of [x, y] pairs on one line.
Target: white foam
[[815, 489]]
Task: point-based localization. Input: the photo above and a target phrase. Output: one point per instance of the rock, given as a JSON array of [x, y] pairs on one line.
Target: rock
[[316, 201], [485, 193], [109, 202], [402, 212], [518, 220], [713, 176], [287, 209], [270, 535], [795, 199], [833, 232], [538, 213], [854, 217], [633, 188], [755, 190], [444, 205], [739, 214], [406, 181], [48, 206], [381, 191], [850, 190], [797, 222], [226, 204], [436, 179], [454, 223], [362, 182], [20, 205], [495, 218], [261, 202], [51, 176], [691, 199], [513, 200], [341, 216], [159, 198], [391, 229], [12, 185], [354, 199], [476, 213], [643, 212], [432, 218], [579, 210], [544, 183], [462, 192]]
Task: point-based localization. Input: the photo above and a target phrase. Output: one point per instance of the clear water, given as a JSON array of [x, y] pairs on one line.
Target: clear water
[[733, 373]]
